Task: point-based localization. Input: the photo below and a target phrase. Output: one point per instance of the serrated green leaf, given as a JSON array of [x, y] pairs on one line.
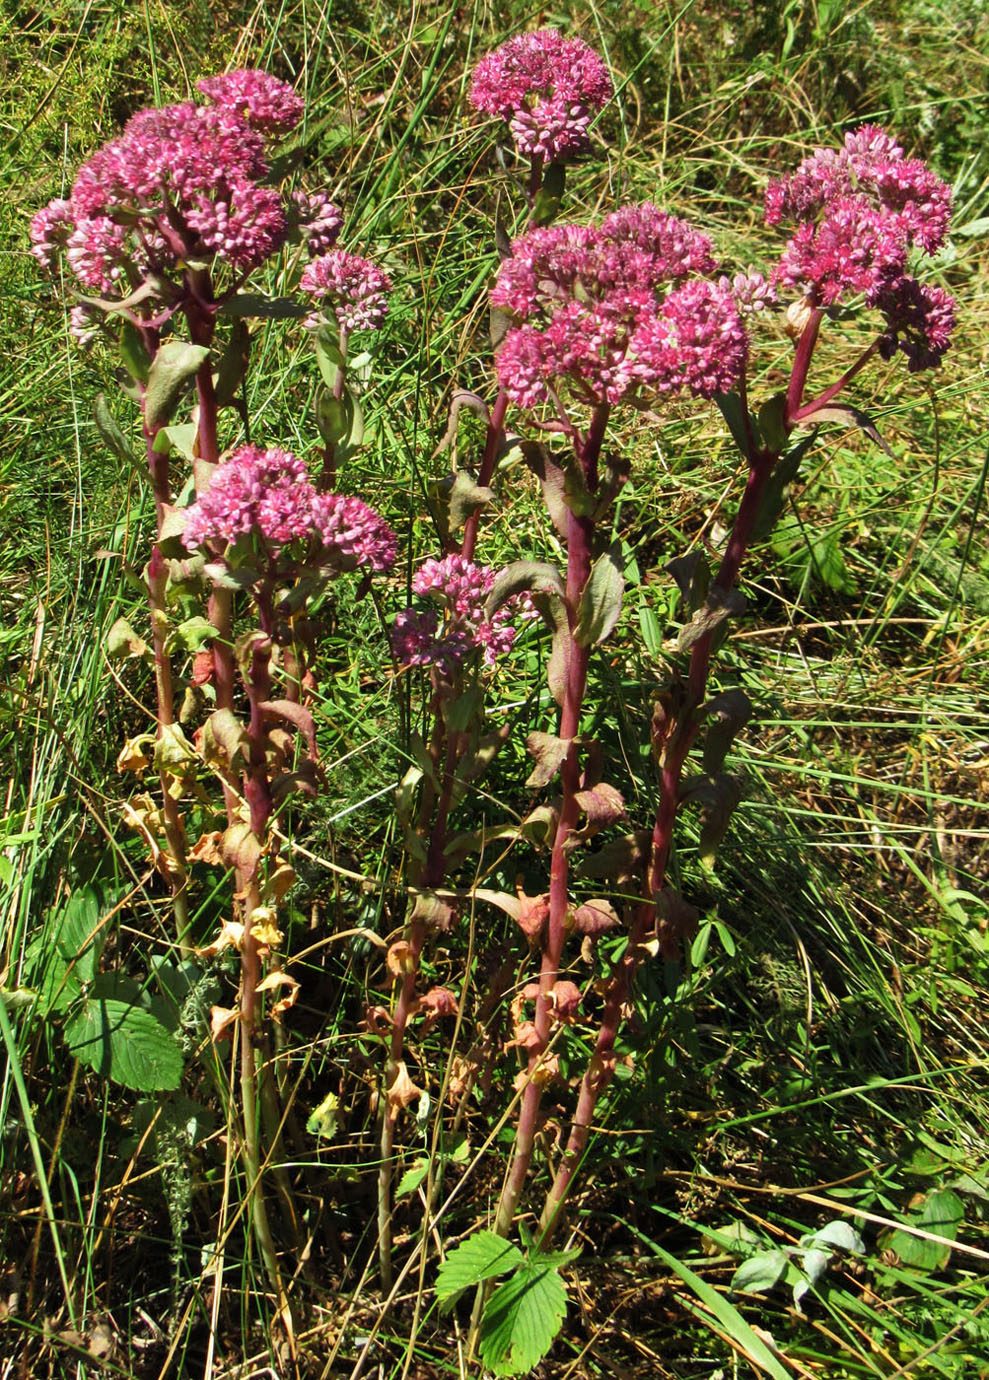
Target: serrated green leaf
[[522, 1318], [482, 1256], [322, 1121], [125, 1044]]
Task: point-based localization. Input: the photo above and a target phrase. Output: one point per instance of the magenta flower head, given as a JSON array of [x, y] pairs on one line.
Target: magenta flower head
[[546, 88], [606, 311], [353, 289], [266, 492], [859, 211], [179, 185], [352, 533], [455, 627], [256, 98]]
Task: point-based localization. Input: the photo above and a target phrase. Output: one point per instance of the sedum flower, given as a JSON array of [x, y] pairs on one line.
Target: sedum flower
[[353, 533], [859, 211], [255, 97], [546, 88], [179, 185], [255, 490], [319, 219], [608, 310], [456, 627], [268, 493], [353, 289]]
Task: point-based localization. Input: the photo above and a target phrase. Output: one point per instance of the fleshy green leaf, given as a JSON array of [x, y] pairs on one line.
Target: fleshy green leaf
[[111, 435], [126, 1044], [522, 1318], [941, 1215], [136, 359], [838, 1236], [172, 370], [760, 1272], [601, 600], [233, 364], [482, 1256]]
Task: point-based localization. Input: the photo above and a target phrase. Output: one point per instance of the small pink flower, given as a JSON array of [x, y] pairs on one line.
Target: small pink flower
[[318, 219], [858, 212], [353, 533], [50, 229], [919, 321], [612, 309], [546, 88], [243, 225], [257, 98], [355, 289]]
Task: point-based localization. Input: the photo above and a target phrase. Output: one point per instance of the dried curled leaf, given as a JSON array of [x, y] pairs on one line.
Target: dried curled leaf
[[719, 605], [549, 753], [271, 983], [595, 917]]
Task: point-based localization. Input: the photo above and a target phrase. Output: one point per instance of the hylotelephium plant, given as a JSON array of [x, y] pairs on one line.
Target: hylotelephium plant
[[623, 314], [163, 230]]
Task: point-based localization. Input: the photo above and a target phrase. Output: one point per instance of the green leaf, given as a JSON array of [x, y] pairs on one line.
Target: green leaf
[[549, 198], [323, 1120], [111, 435], [412, 1178], [126, 1044], [136, 359], [79, 937], [522, 1318], [846, 415], [837, 1236], [730, 406], [172, 370], [601, 600], [233, 364], [727, 713], [760, 1272], [942, 1213], [482, 1256], [191, 635], [536, 577]]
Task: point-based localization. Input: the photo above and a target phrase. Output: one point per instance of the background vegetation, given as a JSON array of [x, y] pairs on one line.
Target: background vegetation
[[823, 1056]]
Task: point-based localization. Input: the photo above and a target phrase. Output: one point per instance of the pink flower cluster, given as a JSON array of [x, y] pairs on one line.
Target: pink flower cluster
[[447, 634], [546, 88], [859, 210], [256, 98], [318, 219], [180, 183], [268, 493], [354, 289], [618, 307]]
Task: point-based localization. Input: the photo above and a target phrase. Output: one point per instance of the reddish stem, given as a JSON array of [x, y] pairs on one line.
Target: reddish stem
[[495, 433], [580, 540]]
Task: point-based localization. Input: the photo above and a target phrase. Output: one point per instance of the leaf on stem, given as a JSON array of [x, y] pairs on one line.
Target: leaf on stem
[[601, 599], [717, 797], [482, 1256], [123, 643], [461, 398], [522, 1318], [172, 370], [126, 1044], [595, 917], [232, 368], [620, 860], [847, 415], [112, 436], [135, 357], [298, 716], [719, 605], [728, 713], [692, 574], [549, 753]]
